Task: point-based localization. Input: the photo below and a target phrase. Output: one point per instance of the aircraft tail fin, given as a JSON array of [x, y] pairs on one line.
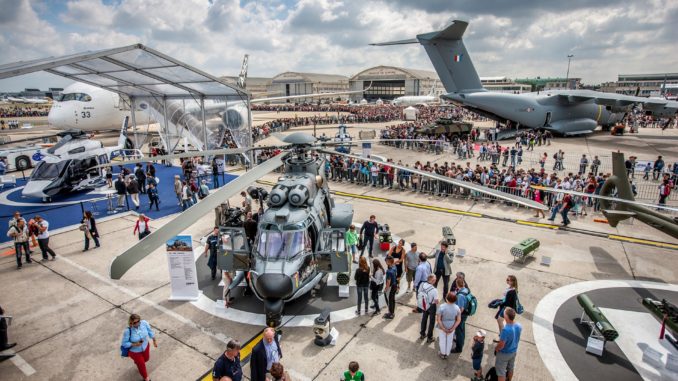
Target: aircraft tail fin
[[242, 78], [449, 57]]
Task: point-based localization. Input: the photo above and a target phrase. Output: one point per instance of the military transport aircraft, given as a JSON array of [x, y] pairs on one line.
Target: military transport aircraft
[[564, 112]]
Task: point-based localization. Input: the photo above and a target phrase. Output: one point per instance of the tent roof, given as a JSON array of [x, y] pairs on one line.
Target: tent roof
[[134, 71]]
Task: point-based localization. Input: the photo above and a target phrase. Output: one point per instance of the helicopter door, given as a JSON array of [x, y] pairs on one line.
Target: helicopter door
[[234, 251], [331, 254]]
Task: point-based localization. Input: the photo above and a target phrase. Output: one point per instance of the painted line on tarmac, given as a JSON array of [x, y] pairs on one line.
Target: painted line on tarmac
[[439, 209], [245, 354], [643, 241], [217, 336], [23, 366], [536, 224]]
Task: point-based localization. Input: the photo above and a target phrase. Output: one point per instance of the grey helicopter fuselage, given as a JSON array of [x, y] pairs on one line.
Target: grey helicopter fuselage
[[530, 111], [285, 261]]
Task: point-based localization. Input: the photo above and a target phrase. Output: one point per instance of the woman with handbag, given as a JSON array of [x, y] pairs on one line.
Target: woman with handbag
[[134, 344], [509, 299], [89, 226], [142, 226]]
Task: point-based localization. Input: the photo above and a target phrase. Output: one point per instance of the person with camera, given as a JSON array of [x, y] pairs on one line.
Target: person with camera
[[89, 226], [135, 338]]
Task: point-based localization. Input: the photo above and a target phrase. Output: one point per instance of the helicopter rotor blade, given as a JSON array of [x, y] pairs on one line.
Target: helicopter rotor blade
[[607, 198], [463, 184], [143, 248], [225, 151]]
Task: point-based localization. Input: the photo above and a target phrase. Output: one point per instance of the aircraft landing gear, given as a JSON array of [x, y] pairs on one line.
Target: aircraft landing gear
[[273, 310]]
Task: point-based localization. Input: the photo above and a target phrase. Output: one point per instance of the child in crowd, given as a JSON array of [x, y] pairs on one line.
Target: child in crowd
[[477, 355], [353, 373]]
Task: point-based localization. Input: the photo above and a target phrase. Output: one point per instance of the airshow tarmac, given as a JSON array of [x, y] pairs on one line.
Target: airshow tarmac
[[68, 314]]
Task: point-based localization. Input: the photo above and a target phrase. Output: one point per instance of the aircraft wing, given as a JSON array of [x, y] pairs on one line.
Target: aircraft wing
[[571, 97]]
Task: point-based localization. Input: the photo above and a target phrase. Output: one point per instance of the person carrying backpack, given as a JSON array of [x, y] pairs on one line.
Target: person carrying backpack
[[427, 301], [467, 304]]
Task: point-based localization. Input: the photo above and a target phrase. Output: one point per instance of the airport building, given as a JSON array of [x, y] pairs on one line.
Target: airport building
[[650, 85], [257, 86], [540, 84], [504, 85], [390, 82], [295, 83]]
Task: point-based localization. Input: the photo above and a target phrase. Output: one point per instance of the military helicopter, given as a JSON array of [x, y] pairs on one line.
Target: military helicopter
[[300, 236]]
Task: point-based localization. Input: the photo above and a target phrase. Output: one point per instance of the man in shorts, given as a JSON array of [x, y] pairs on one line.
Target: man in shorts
[[508, 346], [411, 262]]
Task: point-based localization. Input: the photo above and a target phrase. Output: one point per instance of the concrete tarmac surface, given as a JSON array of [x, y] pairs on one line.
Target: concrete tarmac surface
[[69, 316]]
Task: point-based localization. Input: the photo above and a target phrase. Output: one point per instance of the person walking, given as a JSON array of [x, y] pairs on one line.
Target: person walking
[[186, 196], [376, 284], [142, 227], [43, 238], [443, 266], [507, 348], [362, 282], [227, 366], [664, 192], [567, 205], [539, 197], [136, 339], [133, 190], [120, 191], [398, 254], [89, 226], [509, 300], [352, 242], [448, 318], [427, 301], [390, 287], [153, 197], [264, 355], [368, 232], [18, 232], [212, 245]]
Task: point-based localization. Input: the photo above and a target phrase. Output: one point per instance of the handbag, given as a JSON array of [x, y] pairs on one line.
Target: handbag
[[519, 307], [495, 303], [124, 352]]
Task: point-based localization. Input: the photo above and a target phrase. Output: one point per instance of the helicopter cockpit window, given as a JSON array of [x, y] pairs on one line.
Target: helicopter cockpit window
[[274, 245], [48, 171]]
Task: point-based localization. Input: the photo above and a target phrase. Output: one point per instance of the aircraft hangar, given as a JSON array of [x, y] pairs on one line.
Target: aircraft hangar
[[296, 83], [390, 82]]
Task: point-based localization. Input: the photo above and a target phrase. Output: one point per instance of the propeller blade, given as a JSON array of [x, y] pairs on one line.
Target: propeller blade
[[462, 184], [139, 251], [145, 159], [607, 198]]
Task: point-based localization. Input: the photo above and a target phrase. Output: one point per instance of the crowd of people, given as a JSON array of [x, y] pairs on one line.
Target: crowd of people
[[22, 112]]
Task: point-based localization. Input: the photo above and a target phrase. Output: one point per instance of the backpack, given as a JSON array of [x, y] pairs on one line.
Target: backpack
[[491, 375], [471, 303], [423, 301]]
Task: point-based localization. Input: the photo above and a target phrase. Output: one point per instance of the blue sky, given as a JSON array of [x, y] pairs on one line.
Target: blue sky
[[524, 38]]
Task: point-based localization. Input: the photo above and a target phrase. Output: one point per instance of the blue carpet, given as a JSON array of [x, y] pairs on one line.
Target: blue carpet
[[66, 209]]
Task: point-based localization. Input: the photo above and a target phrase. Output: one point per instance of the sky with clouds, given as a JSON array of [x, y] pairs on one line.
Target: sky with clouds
[[525, 38]]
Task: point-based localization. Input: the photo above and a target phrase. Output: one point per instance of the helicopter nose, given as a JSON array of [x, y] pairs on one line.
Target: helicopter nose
[[274, 286]]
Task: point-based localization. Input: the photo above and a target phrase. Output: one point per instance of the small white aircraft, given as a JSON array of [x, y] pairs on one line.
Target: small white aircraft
[[35, 101], [71, 164], [418, 100]]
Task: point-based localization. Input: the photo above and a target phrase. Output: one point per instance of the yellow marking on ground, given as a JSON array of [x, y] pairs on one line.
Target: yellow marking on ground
[[537, 224], [360, 196], [643, 241], [245, 352], [439, 209]]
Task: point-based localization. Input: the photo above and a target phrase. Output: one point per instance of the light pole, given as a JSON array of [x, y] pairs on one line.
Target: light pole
[[567, 76]]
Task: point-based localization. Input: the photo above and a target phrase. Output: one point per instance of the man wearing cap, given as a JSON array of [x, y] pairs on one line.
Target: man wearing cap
[[411, 262], [228, 366]]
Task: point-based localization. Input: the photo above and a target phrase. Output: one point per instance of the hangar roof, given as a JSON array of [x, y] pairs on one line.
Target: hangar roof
[[310, 77], [134, 71], [383, 70]]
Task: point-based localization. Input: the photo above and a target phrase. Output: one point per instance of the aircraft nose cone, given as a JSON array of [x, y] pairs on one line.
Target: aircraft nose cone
[[274, 286], [57, 117]]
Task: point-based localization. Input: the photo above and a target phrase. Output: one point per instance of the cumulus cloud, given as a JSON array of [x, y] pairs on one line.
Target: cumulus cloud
[[504, 37]]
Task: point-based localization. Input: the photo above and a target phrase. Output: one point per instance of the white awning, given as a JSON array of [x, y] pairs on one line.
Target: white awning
[[134, 71]]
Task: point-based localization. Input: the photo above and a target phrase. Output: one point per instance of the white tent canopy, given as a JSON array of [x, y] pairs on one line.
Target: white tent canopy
[[410, 113]]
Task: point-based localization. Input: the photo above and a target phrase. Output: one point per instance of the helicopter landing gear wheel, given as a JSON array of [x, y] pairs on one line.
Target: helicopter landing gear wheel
[[273, 310]]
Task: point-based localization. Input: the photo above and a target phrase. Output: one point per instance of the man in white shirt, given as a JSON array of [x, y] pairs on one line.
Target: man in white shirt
[[427, 300], [43, 238]]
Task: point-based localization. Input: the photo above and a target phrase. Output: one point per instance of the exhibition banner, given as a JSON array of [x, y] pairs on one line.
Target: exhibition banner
[[182, 272]]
